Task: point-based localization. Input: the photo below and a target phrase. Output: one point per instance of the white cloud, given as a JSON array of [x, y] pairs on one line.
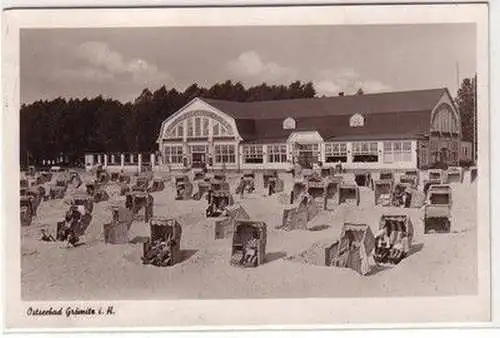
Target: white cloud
[[251, 67], [330, 82], [105, 64]]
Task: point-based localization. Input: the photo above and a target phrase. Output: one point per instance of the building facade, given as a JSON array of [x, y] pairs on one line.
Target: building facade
[[399, 130]]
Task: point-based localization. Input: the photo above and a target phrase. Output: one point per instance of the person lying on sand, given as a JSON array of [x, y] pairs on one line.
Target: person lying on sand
[[47, 237]]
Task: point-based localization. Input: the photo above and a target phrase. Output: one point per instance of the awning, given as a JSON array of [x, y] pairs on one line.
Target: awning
[[306, 137]]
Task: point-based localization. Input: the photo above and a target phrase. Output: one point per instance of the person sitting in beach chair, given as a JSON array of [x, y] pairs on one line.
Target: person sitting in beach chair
[[250, 252], [180, 191], [397, 199], [150, 255], [383, 244], [164, 256], [159, 253], [396, 252]]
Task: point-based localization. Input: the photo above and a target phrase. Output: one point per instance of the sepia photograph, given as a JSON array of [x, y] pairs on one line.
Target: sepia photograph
[[250, 162]]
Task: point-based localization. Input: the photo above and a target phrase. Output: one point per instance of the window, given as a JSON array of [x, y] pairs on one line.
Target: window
[[365, 152], [197, 127], [309, 151], [173, 154], [398, 151], [224, 153], [205, 126], [216, 129], [276, 153], [180, 130], [198, 149], [190, 131], [335, 152], [253, 154]]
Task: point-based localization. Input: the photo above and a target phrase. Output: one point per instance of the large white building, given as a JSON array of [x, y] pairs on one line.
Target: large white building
[[397, 130]]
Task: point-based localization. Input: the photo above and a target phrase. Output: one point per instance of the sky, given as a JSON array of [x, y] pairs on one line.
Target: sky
[[120, 62]]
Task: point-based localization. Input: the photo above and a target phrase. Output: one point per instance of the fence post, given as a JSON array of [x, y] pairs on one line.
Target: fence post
[[122, 160], [152, 161]]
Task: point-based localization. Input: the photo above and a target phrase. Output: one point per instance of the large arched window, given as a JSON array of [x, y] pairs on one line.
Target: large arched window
[[444, 120], [196, 124]]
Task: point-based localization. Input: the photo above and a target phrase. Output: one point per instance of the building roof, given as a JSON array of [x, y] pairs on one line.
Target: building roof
[[392, 102], [394, 115], [333, 128]]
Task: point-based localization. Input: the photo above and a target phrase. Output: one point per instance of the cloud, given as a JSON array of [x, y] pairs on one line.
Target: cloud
[[103, 64], [330, 82], [100, 55], [102, 67], [249, 65]]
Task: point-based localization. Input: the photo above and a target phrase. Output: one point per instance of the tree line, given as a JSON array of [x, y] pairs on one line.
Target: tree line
[[73, 127]]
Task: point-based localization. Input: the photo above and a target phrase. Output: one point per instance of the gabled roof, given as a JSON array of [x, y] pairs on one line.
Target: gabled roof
[[393, 102]]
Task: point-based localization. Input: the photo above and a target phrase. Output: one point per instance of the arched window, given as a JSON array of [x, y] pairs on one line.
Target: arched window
[[289, 123], [445, 121], [198, 124], [357, 120]]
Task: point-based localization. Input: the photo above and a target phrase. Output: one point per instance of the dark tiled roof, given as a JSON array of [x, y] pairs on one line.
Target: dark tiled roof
[[377, 126], [417, 100], [387, 116]]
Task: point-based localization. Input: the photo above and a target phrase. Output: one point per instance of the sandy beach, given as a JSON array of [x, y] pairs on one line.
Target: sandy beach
[[438, 264]]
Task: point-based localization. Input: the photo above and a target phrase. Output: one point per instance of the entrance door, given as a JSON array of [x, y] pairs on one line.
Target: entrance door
[[306, 159], [198, 156], [307, 155], [444, 155], [198, 160]]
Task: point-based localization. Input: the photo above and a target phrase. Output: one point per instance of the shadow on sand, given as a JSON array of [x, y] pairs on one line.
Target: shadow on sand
[[139, 239], [272, 256], [187, 254], [379, 268], [415, 248], [319, 227]]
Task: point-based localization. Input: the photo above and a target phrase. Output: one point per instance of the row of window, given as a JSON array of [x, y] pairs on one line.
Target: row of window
[[255, 154], [398, 151]]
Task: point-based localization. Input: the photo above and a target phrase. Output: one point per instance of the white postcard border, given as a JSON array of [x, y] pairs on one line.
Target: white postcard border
[[269, 313]]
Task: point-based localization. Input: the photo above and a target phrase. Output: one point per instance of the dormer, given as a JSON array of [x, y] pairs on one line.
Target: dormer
[[357, 120], [289, 123]]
